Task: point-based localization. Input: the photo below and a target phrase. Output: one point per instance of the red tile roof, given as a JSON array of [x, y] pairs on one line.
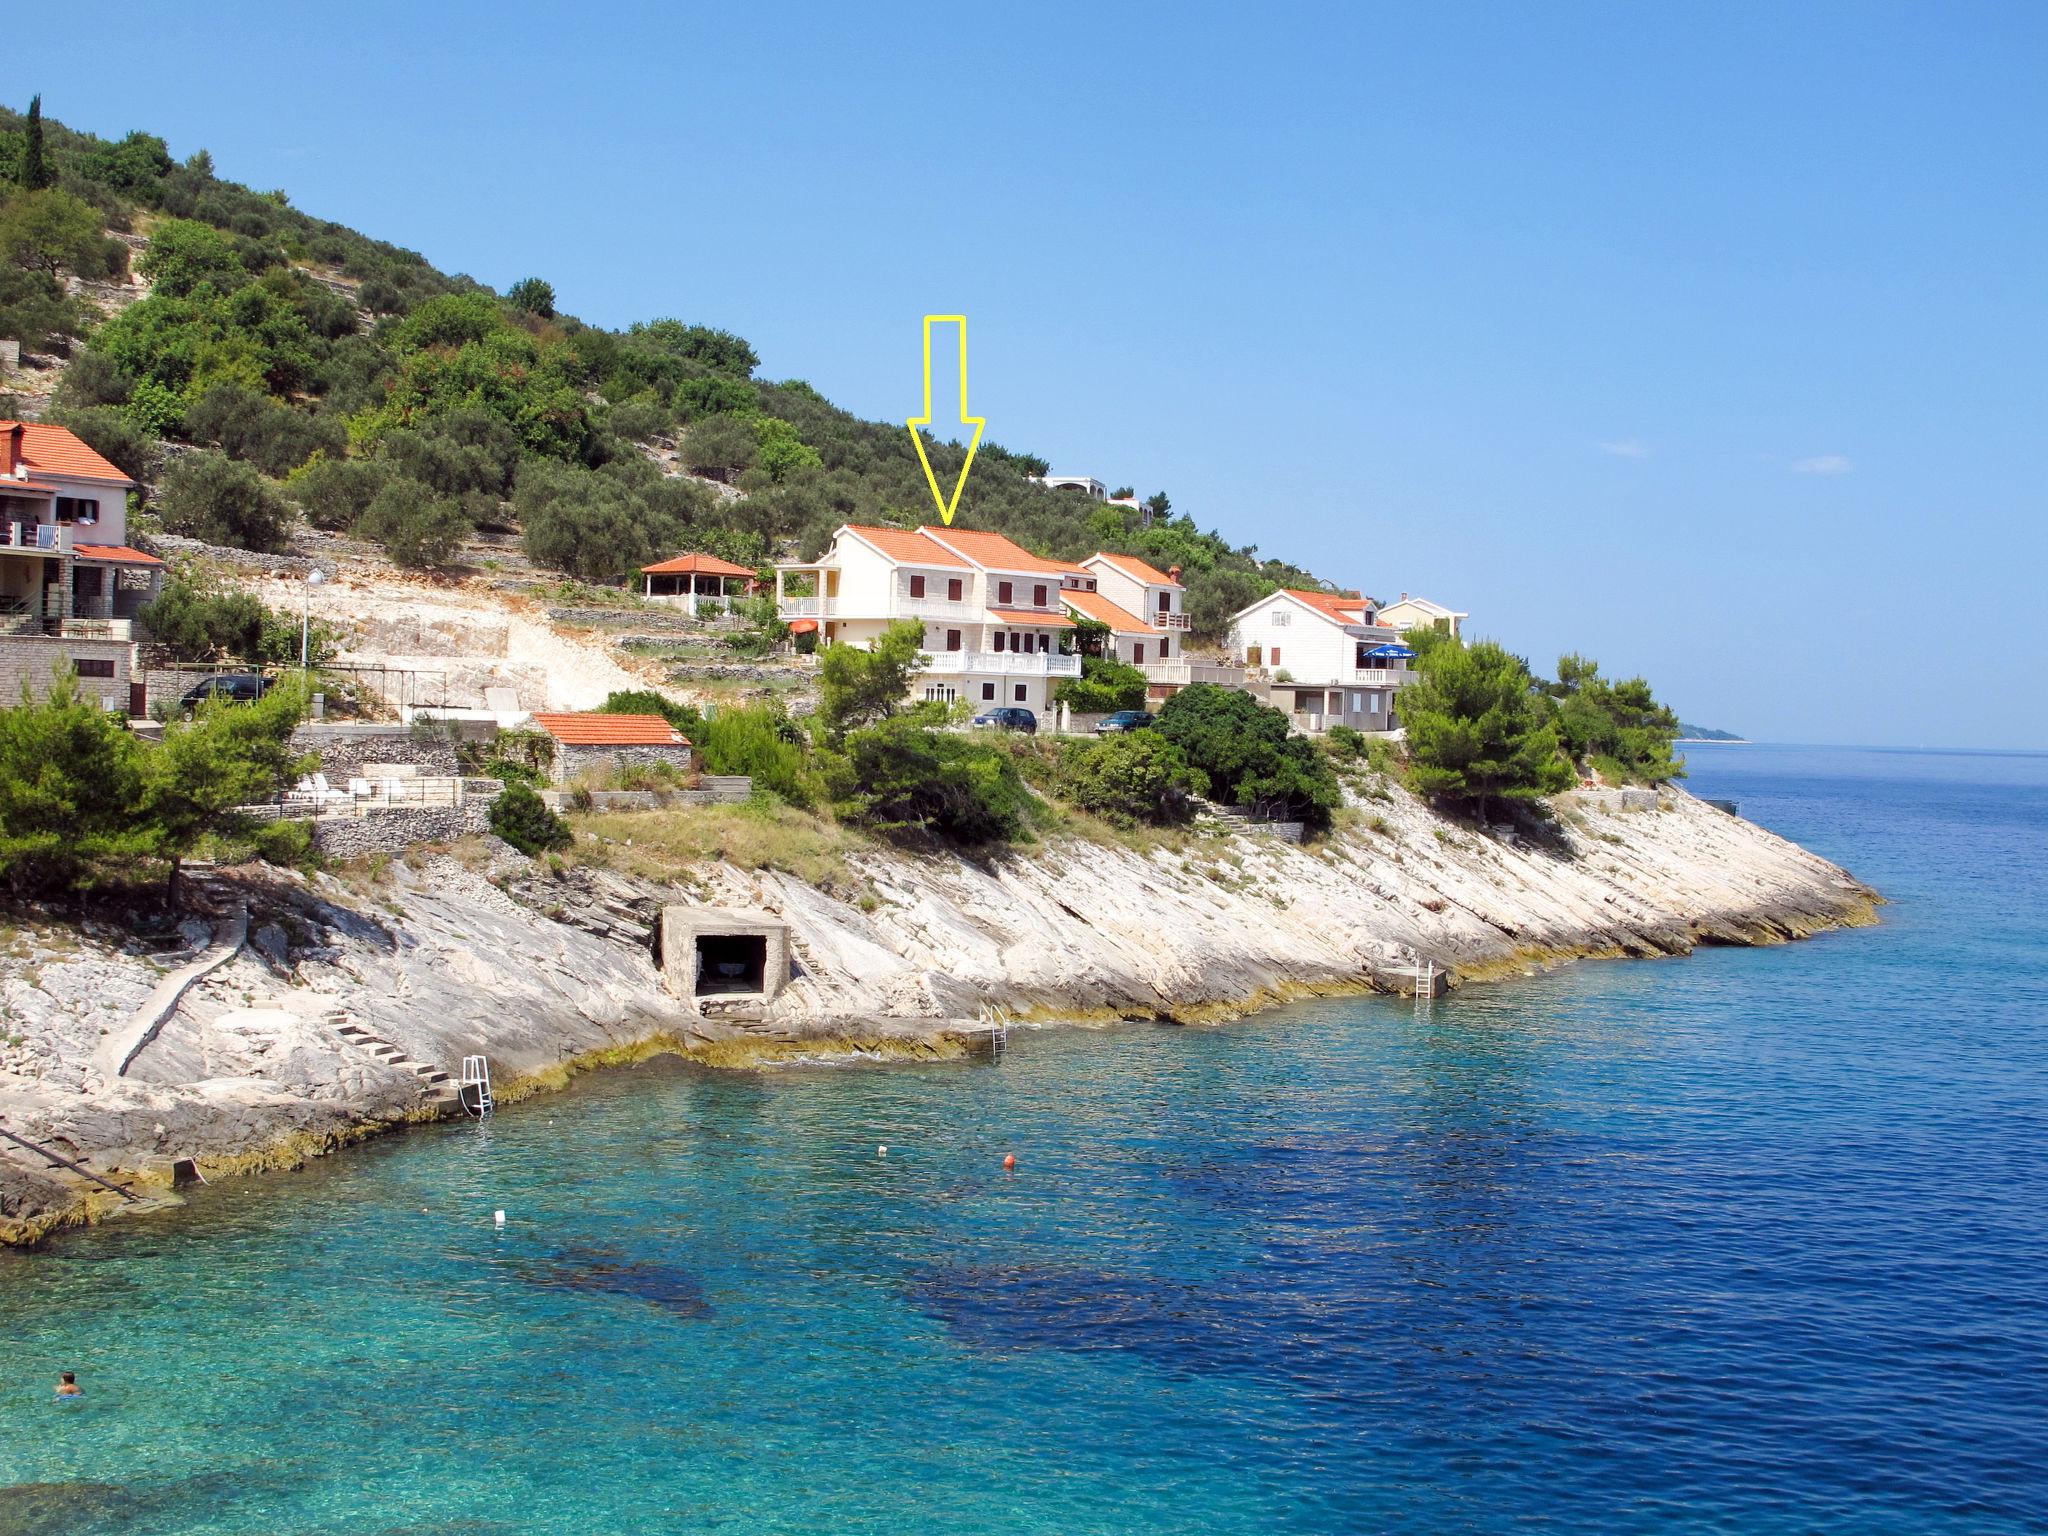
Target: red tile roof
[[908, 545], [590, 729], [696, 565], [1138, 570], [119, 554], [56, 451], [1103, 611], [1027, 616], [1345, 610], [993, 552]]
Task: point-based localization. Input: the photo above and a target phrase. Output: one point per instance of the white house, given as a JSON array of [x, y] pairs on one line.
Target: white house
[[1087, 485], [991, 610], [1420, 612], [65, 566], [1154, 595], [1328, 660], [1131, 639]]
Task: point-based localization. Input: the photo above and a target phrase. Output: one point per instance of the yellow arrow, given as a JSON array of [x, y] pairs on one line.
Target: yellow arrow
[[946, 508]]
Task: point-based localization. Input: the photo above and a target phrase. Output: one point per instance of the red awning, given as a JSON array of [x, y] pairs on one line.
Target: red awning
[[802, 626]]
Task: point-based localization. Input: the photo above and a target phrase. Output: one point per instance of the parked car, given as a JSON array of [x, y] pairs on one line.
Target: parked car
[[1123, 720], [1008, 718], [237, 687]]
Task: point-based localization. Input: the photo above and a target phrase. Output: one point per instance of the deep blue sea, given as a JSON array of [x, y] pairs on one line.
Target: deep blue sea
[[1751, 1241]]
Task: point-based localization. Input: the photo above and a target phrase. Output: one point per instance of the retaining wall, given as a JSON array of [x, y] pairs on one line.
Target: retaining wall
[[397, 829], [344, 749]]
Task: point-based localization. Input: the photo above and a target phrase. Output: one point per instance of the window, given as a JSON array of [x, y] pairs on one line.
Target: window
[[988, 693], [939, 693], [1162, 648], [77, 509], [1005, 591], [1254, 656], [1045, 642], [1275, 657], [952, 639], [1166, 602], [1020, 693], [1368, 616], [88, 667], [1001, 639], [1038, 597], [1357, 703], [1373, 700], [1282, 618], [1138, 654], [953, 589], [917, 586]]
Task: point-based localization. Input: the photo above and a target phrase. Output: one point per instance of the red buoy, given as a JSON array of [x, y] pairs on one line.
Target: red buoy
[[1009, 1160]]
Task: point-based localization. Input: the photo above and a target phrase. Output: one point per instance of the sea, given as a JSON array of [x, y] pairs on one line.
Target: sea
[[1754, 1240]]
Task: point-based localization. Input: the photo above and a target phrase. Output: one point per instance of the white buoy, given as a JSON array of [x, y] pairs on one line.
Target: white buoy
[[498, 1218], [881, 1151]]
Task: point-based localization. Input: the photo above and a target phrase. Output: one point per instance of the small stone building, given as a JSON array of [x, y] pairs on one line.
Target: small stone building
[[590, 741], [713, 955]]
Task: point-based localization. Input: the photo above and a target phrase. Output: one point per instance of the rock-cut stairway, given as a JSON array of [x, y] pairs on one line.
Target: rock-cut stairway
[[436, 1086]]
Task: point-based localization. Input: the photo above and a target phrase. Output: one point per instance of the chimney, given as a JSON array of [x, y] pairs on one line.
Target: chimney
[[1404, 597], [12, 452], [1173, 574]]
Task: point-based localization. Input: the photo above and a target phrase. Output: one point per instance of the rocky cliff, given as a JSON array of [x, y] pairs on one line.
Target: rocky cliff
[[348, 1000]]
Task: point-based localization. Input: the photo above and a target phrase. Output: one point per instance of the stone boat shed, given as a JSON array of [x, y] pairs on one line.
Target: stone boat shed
[[589, 740], [713, 956]]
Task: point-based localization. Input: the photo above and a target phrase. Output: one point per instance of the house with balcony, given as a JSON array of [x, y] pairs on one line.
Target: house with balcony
[[1324, 658], [993, 616], [1154, 595], [65, 566], [1421, 613]]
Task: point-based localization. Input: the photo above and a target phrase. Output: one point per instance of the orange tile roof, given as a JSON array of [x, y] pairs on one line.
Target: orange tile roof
[[590, 729], [696, 565], [1103, 611], [1132, 566], [1033, 616], [991, 551], [119, 554], [1345, 610], [55, 451], [908, 545], [1070, 568]]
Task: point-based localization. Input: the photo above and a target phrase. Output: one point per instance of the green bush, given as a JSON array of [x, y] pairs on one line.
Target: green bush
[[512, 771], [219, 500], [1104, 686], [416, 528], [1619, 726], [1136, 776], [645, 701], [522, 818], [183, 254], [69, 780], [533, 296], [720, 447], [1246, 751], [901, 775], [760, 741], [247, 424], [335, 492]]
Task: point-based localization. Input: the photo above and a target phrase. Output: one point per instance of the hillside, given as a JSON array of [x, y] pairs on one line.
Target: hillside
[[175, 319]]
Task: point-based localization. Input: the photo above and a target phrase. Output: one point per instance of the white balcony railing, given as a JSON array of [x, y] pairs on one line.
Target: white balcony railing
[[1170, 620], [1184, 672], [1381, 677], [1002, 663]]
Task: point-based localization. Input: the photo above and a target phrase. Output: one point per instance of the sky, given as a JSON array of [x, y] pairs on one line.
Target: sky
[[1706, 340]]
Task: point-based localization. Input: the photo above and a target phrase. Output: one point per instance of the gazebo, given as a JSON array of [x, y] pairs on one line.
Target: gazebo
[[686, 578]]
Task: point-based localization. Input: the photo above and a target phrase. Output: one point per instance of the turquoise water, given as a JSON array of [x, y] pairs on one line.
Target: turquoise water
[[1750, 1241]]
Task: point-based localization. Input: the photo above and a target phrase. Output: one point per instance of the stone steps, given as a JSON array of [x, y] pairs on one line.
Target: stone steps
[[436, 1086]]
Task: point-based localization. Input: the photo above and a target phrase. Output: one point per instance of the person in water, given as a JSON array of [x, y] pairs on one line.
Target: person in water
[[67, 1385]]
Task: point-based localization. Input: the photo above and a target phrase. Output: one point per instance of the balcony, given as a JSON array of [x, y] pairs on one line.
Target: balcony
[[1380, 677], [1001, 663], [1170, 620], [48, 538], [1220, 673]]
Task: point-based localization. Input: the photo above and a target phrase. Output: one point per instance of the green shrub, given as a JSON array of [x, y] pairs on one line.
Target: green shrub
[[247, 424], [1136, 776], [533, 296], [1478, 730], [416, 528], [760, 741], [522, 818], [645, 701], [901, 775], [335, 492], [1249, 756], [183, 254], [220, 500], [1104, 686], [512, 771]]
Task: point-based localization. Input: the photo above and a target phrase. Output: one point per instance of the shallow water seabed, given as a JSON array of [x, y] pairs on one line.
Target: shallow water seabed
[[1748, 1240]]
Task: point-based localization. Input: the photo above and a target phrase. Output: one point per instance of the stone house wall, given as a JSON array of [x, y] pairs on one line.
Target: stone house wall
[[397, 829], [33, 659], [572, 760]]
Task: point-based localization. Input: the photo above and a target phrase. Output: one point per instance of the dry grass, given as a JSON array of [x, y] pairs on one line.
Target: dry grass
[[663, 845]]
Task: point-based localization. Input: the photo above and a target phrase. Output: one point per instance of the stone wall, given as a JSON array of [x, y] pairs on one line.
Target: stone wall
[[717, 789], [571, 760], [344, 749], [33, 659], [397, 829]]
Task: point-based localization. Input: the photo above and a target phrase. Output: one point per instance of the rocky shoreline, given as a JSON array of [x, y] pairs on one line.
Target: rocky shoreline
[[318, 1030]]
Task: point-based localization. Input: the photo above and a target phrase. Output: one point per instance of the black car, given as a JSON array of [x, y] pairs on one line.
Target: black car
[[1122, 720], [236, 687], [1008, 718]]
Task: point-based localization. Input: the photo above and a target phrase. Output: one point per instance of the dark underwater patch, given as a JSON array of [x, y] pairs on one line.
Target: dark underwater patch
[[668, 1286]]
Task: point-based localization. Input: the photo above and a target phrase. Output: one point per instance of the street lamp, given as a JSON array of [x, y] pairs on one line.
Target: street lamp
[[313, 579]]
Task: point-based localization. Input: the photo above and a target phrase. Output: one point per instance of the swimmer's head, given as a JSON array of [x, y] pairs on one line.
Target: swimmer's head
[[69, 1378]]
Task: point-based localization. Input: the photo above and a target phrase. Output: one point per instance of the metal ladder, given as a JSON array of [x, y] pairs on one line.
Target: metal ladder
[[997, 1022], [476, 1074], [1425, 984]]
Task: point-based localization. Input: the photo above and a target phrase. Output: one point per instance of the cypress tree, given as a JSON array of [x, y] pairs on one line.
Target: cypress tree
[[36, 173]]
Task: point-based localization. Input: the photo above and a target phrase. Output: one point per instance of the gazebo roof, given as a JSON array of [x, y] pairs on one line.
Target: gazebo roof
[[696, 565]]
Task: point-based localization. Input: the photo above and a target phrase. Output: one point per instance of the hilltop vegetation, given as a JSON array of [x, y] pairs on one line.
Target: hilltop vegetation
[[375, 394]]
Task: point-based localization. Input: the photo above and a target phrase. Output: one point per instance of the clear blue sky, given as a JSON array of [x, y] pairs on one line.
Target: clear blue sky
[[1706, 339]]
